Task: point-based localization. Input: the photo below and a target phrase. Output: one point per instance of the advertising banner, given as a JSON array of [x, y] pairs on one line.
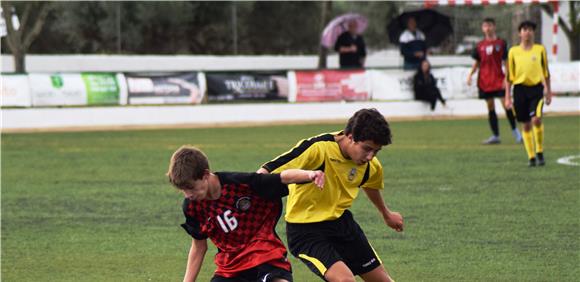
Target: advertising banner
[[565, 77], [57, 89], [398, 84], [163, 88], [15, 91], [331, 85], [102, 88], [235, 86]]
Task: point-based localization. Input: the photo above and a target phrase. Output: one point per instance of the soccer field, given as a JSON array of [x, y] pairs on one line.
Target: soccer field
[[96, 206]]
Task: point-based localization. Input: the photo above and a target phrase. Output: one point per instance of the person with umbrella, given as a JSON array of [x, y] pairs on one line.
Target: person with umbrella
[[413, 46], [351, 47]]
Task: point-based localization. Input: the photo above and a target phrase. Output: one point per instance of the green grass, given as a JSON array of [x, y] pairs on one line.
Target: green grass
[[95, 206]]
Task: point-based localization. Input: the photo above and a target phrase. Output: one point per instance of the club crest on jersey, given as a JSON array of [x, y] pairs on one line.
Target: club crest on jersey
[[488, 50], [497, 47], [243, 203], [351, 174]]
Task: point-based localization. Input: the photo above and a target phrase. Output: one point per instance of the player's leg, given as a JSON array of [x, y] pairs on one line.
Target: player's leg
[[357, 253], [509, 113], [270, 273], [339, 272], [217, 278], [522, 108], [309, 243], [537, 125], [377, 274], [491, 118]]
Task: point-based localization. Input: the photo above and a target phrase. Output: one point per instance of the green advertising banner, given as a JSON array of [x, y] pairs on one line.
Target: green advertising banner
[[102, 88]]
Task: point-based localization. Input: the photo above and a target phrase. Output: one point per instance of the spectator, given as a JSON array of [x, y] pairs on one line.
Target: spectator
[[425, 85], [413, 46], [351, 48]]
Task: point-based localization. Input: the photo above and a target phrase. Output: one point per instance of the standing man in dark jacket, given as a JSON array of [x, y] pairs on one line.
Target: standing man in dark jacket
[[351, 48], [413, 46]]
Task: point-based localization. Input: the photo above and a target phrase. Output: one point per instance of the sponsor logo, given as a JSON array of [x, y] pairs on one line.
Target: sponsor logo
[[351, 174], [369, 263], [56, 81], [248, 84]]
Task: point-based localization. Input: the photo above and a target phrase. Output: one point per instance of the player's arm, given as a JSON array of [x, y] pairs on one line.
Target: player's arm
[[546, 78], [475, 66], [472, 71], [299, 176], [195, 259], [509, 73], [372, 187], [391, 218], [274, 186]]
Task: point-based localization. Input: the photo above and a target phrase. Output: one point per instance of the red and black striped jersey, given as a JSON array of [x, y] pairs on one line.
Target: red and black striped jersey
[[241, 223]]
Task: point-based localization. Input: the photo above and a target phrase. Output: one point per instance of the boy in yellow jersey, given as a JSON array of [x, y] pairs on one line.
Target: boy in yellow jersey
[[528, 72], [321, 230]]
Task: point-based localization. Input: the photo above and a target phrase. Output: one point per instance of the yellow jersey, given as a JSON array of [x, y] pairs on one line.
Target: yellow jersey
[[527, 67], [343, 178]]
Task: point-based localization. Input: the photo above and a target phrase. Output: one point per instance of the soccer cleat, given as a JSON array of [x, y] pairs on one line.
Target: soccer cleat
[[492, 140], [540, 157], [517, 135], [532, 162]]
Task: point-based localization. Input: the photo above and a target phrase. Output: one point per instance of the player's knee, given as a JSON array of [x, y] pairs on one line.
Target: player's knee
[[537, 121], [341, 279], [490, 105], [339, 272]]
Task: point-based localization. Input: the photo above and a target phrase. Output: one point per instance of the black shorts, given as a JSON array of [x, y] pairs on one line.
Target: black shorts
[[319, 245], [492, 94], [264, 272], [528, 101]]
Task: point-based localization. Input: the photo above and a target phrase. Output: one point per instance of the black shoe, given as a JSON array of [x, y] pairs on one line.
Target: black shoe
[[532, 162], [541, 161]]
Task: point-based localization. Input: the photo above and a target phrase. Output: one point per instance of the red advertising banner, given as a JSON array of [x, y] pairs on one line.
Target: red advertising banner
[[331, 85]]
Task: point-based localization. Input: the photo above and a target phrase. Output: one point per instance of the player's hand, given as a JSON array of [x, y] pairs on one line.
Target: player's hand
[[353, 48], [469, 80], [548, 99], [508, 103], [395, 221], [419, 54], [317, 176]]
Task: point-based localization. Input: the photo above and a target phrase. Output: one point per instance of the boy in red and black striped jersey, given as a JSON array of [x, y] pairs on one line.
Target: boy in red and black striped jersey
[[238, 212], [490, 54]]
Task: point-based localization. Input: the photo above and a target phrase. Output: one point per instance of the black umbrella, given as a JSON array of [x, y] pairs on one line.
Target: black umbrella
[[436, 26]]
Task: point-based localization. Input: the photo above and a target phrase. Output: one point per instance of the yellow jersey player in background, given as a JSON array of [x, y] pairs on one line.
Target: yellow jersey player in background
[[528, 72], [321, 230]]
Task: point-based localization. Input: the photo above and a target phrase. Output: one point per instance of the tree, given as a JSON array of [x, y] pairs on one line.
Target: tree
[[572, 32], [324, 18], [31, 22]]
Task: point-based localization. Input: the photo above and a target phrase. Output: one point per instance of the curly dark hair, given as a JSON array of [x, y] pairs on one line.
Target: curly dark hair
[[369, 124]]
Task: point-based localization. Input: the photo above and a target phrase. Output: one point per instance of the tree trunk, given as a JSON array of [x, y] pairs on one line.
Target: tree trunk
[[19, 61], [325, 15], [322, 56], [575, 47]]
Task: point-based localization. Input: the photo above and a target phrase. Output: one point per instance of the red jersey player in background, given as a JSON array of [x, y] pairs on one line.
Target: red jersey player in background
[[490, 54], [238, 212]]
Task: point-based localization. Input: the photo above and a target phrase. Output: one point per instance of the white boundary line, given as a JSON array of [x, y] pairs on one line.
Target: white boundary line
[[568, 160]]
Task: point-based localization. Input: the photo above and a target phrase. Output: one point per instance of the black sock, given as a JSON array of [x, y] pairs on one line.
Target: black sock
[[493, 122], [510, 116]]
